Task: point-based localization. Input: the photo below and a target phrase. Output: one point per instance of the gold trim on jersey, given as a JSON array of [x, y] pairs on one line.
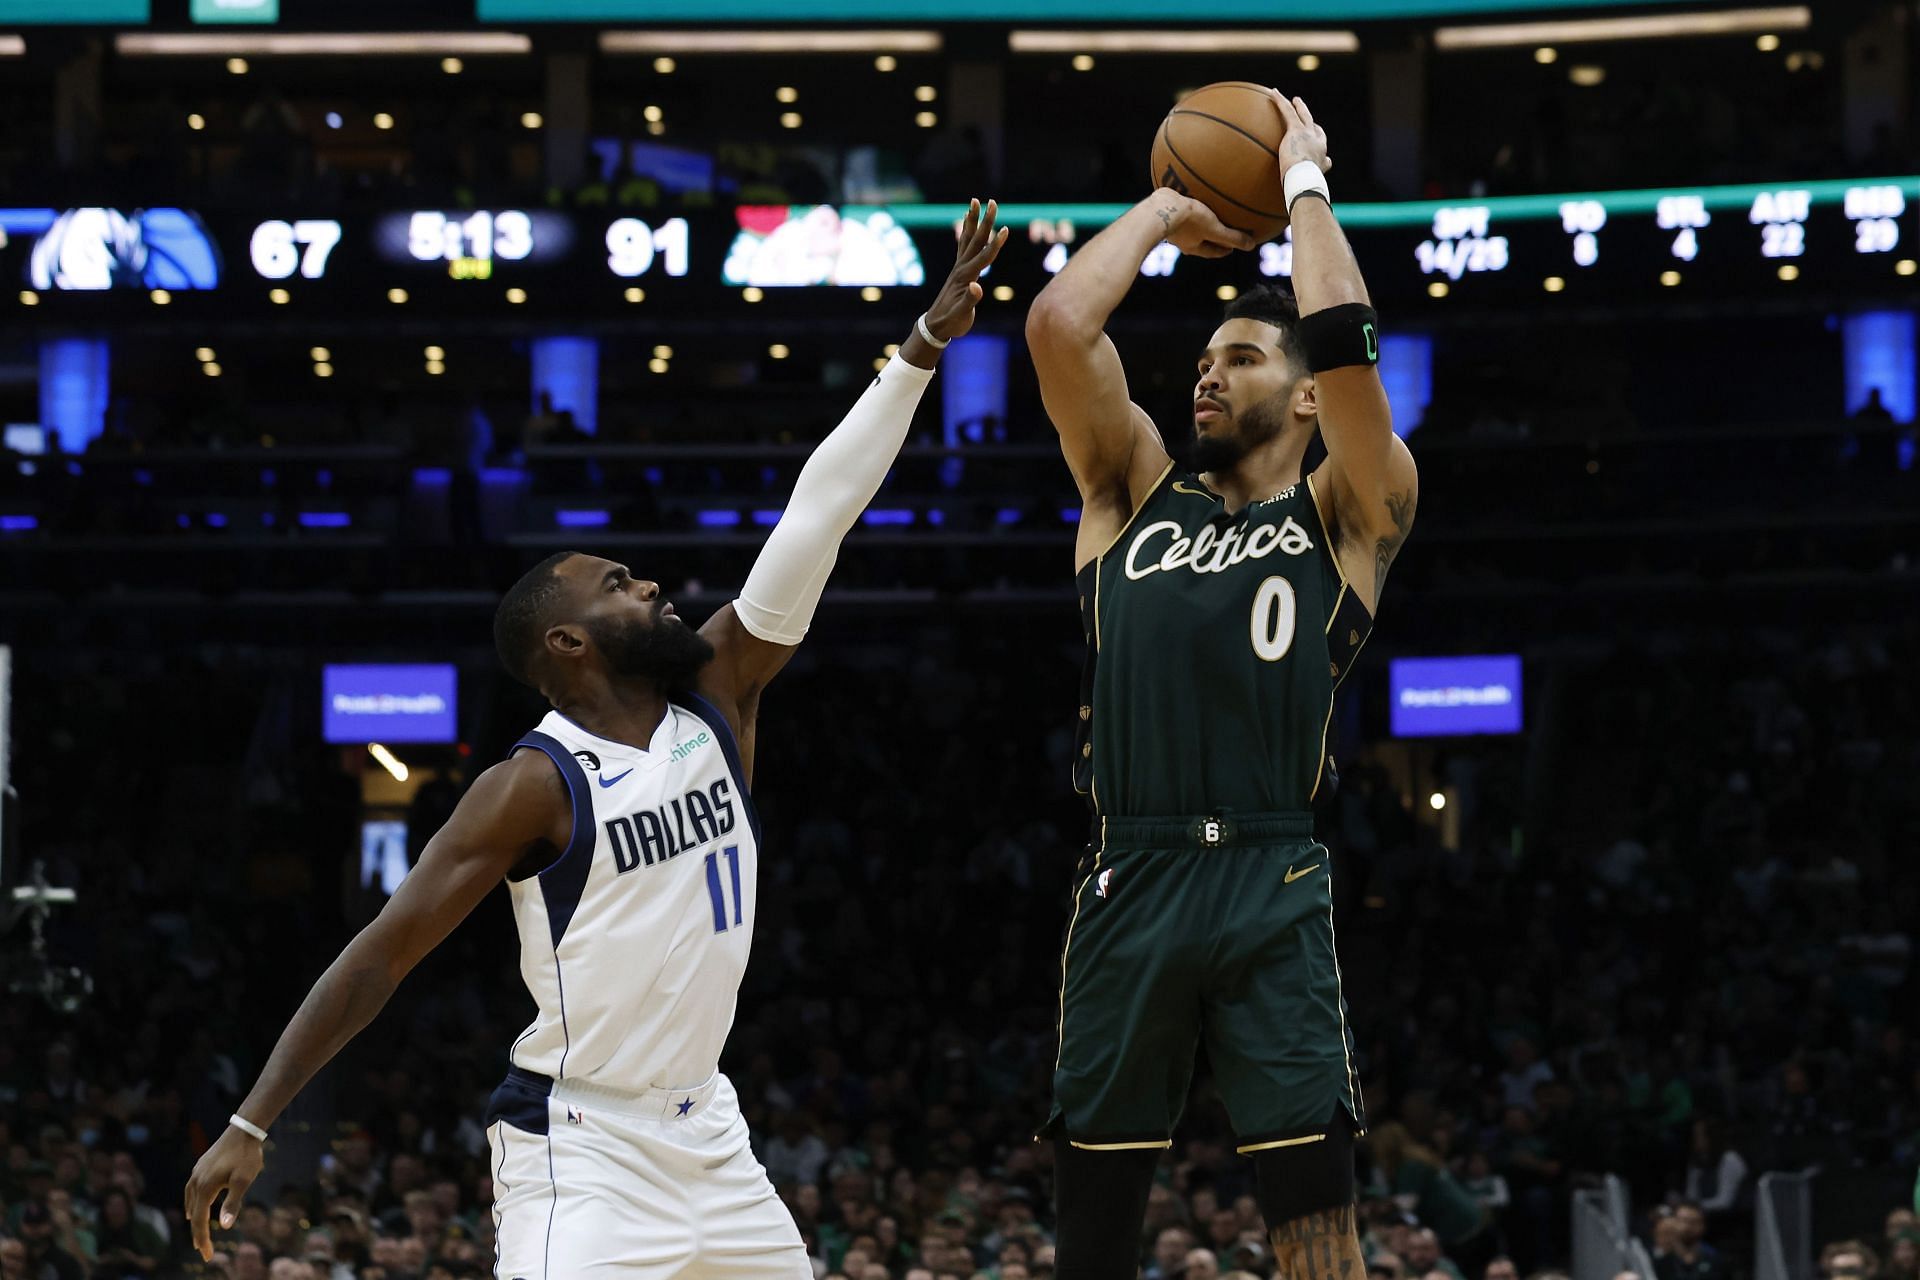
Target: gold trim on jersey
[[1067, 947], [1283, 1142], [1340, 994], [1333, 549], [1326, 726], [1162, 1145], [1151, 490]]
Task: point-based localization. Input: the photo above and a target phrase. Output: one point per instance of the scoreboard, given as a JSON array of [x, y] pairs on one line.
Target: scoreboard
[[1705, 245], [1613, 244]]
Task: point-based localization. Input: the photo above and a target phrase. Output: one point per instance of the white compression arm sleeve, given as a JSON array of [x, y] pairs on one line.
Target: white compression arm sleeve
[[839, 480]]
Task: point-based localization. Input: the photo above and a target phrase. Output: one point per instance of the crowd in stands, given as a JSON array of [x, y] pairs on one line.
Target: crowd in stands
[[1671, 942]]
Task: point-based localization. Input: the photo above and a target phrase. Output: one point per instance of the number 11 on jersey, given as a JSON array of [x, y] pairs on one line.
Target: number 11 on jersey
[[732, 853]]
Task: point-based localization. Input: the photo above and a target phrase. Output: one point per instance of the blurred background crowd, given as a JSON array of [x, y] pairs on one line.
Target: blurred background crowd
[[1662, 940]]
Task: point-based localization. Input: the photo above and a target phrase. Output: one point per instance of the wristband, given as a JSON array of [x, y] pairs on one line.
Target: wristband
[[1305, 178], [938, 344], [247, 1126]]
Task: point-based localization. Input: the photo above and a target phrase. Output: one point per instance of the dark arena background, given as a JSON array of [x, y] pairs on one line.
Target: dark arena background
[[322, 320]]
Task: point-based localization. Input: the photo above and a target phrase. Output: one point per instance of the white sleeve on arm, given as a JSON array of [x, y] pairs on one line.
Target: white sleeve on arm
[[784, 586]]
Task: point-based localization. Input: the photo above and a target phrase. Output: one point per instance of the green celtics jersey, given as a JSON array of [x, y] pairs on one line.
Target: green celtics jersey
[[1215, 642]]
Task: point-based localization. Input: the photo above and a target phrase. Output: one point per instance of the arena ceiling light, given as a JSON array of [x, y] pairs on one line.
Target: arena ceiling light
[[1226, 40], [12, 47], [317, 43], [1643, 27], [685, 42]]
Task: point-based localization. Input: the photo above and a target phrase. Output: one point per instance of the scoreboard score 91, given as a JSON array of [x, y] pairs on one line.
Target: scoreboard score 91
[[467, 245]]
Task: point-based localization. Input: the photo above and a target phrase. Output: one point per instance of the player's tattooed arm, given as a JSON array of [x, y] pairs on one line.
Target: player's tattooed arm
[[1400, 509], [1319, 1246]]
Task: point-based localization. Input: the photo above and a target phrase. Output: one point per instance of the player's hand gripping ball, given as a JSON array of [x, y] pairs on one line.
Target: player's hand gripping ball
[[1304, 140], [951, 314], [1218, 146]]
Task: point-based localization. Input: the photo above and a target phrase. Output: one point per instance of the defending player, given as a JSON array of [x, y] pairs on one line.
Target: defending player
[[624, 830], [1222, 605]]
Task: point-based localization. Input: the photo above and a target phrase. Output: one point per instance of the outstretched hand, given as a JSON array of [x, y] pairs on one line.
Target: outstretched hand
[[1304, 139], [230, 1165], [951, 314]]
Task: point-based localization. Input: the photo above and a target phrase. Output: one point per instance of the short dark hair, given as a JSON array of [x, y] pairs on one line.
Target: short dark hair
[[1270, 304], [525, 613]]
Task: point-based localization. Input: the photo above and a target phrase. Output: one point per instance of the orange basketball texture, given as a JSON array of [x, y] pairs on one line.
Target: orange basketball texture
[[1219, 145]]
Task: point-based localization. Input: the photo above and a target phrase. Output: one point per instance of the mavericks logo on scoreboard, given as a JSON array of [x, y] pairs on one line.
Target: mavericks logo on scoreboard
[[782, 245], [94, 248]]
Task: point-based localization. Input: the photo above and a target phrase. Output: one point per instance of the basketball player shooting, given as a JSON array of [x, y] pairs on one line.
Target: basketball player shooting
[[1222, 605], [626, 835]]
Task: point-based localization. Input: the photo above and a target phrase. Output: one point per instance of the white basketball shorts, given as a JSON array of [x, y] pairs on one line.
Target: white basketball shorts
[[599, 1184]]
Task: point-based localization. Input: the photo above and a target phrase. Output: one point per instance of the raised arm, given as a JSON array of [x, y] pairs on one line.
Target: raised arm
[[755, 635], [1111, 445], [1369, 477], [512, 809]]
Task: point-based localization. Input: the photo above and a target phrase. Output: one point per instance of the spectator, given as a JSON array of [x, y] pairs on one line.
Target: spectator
[[1488, 1188], [1501, 1268], [1201, 1265], [1524, 1074], [69, 1230], [1418, 1180], [1903, 1258], [1716, 1173], [249, 1261], [44, 1257], [796, 1154], [1423, 1256], [128, 1247], [14, 1261], [1170, 1250], [1849, 1260], [1680, 1250]]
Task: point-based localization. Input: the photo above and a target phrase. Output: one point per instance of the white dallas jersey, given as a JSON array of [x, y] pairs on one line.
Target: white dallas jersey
[[634, 940]]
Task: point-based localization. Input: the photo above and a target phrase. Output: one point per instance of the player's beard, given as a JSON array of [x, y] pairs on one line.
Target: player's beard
[[668, 653], [1219, 451]]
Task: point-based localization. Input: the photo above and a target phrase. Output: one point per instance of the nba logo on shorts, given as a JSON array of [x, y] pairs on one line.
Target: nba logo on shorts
[[1100, 887], [574, 1114]]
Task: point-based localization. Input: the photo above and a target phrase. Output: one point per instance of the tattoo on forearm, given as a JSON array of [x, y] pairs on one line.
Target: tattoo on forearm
[[1166, 219], [1400, 507], [1320, 1246]]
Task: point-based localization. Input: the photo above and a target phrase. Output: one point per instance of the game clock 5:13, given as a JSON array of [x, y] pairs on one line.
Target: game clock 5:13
[[463, 245]]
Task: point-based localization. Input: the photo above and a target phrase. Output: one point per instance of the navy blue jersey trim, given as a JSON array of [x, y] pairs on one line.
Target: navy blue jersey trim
[[564, 879], [706, 711], [499, 1195], [520, 1102], [546, 1257]]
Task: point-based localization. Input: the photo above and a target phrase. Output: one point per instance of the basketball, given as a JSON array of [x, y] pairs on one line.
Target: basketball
[[1218, 145]]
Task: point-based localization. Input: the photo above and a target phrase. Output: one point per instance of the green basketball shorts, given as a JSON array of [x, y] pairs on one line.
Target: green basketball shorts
[[1191, 929]]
